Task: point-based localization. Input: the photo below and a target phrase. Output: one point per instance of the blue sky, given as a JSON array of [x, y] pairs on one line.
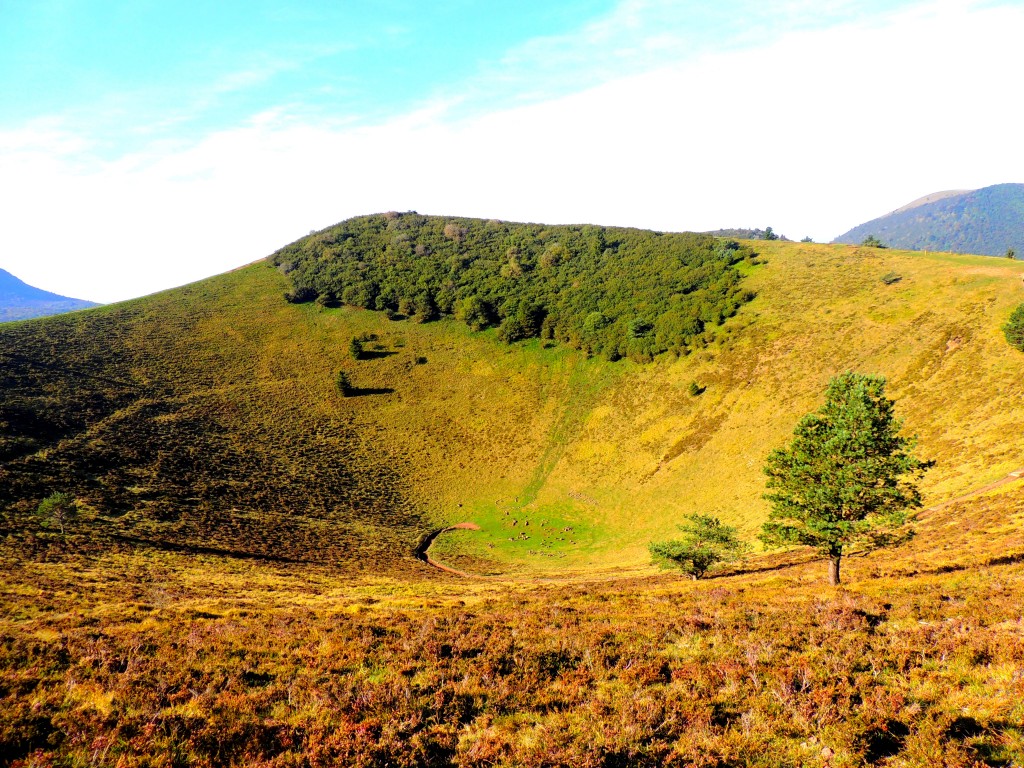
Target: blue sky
[[146, 144], [131, 72]]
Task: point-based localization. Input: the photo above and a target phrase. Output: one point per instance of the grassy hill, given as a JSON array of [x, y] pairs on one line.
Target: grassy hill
[[208, 415], [20, 301], [242, 590], [988, 220]]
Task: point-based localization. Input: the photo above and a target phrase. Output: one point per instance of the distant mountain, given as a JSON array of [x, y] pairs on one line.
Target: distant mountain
[[19, 300], [988, 221]]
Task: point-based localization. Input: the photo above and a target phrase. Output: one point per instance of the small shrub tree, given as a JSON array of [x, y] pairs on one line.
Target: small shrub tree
[[344, 384], [841, 481], [1014, 328], [872, 242], [355, 348], [706, 544], [59, 509]]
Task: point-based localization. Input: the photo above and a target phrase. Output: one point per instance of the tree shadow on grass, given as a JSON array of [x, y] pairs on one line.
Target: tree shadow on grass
[[764, 564], [365, 391]]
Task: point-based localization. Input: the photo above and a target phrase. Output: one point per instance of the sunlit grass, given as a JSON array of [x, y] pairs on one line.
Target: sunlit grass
[[241, 589]]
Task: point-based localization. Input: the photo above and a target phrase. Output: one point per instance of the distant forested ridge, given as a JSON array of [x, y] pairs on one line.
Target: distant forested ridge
[[986, 221], [745, 234], [608, 291]]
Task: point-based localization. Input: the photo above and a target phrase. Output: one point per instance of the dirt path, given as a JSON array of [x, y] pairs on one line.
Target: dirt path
[[1010, 478], [424, 546]]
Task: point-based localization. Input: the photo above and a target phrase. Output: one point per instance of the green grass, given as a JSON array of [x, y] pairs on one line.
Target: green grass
[[241, 589], [207, 415]]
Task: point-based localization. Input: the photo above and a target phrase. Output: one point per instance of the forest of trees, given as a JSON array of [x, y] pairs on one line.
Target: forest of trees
[[608, 291]]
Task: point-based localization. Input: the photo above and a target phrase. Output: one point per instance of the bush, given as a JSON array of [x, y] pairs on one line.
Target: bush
[[355, 349], [344, 384], [59, 509], [872, 242], [1014, 329], [705, 545]]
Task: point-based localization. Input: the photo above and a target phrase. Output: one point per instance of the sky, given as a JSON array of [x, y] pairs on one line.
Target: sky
[[147, 144]]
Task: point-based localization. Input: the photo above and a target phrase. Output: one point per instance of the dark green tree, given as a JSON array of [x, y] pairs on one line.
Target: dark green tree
[[769, 234], [706, 543], [474, 312], [344, 384], [847, 479], [1014, 329], [60, 509], [872, 242], [424, 307], [355, 348]]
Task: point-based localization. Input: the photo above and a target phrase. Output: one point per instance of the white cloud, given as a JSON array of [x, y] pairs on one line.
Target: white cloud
[[811, 134]]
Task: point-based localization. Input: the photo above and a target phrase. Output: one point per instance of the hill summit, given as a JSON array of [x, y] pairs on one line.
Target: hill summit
[[988, 221], [20, 301]]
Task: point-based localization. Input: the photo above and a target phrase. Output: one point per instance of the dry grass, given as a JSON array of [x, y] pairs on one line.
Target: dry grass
[[241, 590], [236, 388], [154, 658]]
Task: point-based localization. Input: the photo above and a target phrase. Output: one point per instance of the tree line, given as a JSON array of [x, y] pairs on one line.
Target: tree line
[[608, 291]]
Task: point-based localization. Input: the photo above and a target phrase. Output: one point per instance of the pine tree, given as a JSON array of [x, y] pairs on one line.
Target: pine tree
[[847, 477], [706, 544], [58, 508], [1014, 329], [344, 384]]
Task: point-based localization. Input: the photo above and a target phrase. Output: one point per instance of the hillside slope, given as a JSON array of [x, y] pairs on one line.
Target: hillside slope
[[207, 416], [20, 301], [988, 221]]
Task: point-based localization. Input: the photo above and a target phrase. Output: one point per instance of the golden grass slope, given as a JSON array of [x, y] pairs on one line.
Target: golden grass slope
[[647, 453], [136, 655], [567, 464]]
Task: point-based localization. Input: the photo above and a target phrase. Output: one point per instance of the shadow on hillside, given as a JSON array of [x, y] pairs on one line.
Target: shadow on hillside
[[70, 371], [364, 391], [1010, 559], [194, 549], [376, 354], [1017, 557], [742, 570]]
